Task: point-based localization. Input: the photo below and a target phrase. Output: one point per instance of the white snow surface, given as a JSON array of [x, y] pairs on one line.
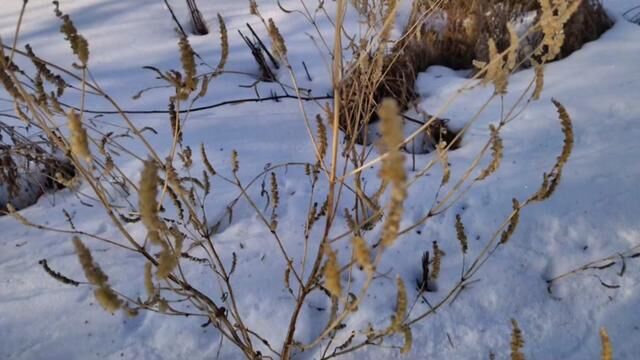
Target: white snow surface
[[594, 212]]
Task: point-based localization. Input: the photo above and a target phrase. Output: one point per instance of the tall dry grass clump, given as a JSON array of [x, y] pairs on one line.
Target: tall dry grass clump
[[470, 25], [473, 30]]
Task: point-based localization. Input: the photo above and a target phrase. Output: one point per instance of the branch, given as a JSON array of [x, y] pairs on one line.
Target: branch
[[207, 107]]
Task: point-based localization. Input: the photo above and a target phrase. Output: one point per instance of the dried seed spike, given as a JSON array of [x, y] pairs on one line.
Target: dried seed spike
[[435, 265], [495, 69], [273, 225], [392, 169], [401, 306], [567, 130], [361, 254], [104, 294], [205, 159], [107, 298], [79, 44], [607, 349], [347, 342], [539, 72], [275, 194], [148, 203], [169, 259], [279, 47], [187, 58], [462, 236], [186, 157], [322, 139], [109, 165], [206, 182], [204, 85], [287, 276], [513, 223], [552, 180], [194, 259], [148, 281], [443, 157], [79, 138], [55, 103], [391, 124], [92, 271], [332, 273], [500, 73], [408, 339], [9, 86], [174, 120], [253, 8], [56, 275], [512, 55], [517, 342], [224, 44], [496, 154], [44, 71], [235, 163], [176, 202], [41, 95], [173, 178], [351, 223]]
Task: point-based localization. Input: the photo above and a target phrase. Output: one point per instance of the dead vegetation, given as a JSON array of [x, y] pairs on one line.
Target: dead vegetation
[[375, 81], [453, 34], [459, 32], [29, 168]]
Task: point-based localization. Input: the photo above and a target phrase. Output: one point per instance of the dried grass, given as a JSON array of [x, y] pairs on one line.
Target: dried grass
[[469, 34], [469, 26]]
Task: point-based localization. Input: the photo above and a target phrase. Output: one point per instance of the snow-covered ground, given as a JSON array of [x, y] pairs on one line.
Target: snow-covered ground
[[593, 214]]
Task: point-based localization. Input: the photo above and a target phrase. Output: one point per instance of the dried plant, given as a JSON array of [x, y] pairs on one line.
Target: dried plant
[[148, 201], [103, 293], [496, 154], [551, 180], [361, 253], [279, 47], [539, 71], [224, 44], [187, 58], [462, 236], [79, 44], [375, 82], [332, 273], [517, 341], [435, 263], [401, 307], [607, 350], [513, 222], [392, 169], [79, 140]]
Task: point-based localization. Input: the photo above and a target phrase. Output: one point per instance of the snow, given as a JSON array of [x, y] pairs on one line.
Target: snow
[[593, 213]]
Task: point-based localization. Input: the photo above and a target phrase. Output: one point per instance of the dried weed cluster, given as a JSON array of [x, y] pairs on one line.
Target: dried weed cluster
[[475, 33], [373, 78]]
